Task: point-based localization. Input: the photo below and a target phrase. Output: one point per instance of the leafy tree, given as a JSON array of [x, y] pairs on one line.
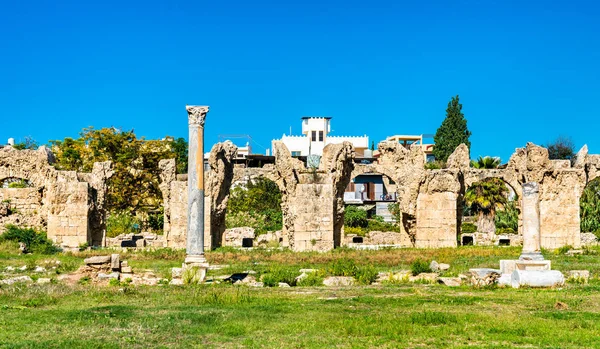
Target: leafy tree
[[355, 217], [452, 132], [590, 208], [27, 143], [134, 185], [507, 219], [180, 147], [486, 162], [258, 205], [484, 198], [562, 148]]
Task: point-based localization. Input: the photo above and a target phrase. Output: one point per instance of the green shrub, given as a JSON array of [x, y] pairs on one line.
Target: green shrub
[[354, 230], [355, 217], [507, 218], [419, 266], [156, 221], [279, 274], [342, 267], [18, 184], [468, 228], [121, 223], [258, 206], [564, 249], [503, 231], [36, 241], [435, 165], [380, 225], [114, 282], [312, 279], [365, 275]]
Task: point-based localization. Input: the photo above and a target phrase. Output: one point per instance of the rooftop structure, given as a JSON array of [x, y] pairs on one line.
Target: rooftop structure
[[315, 136], [408, 140]]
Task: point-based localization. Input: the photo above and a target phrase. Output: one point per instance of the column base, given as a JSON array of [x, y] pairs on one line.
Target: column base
[[194, 269], [531, 256]]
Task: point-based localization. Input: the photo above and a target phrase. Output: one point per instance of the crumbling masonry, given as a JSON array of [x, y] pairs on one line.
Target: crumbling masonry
[[430, 200]]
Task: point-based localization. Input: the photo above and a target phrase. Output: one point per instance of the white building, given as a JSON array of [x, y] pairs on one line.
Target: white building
[[315, 136]]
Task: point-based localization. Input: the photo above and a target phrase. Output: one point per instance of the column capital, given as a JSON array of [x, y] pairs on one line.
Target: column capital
[[196, 114]]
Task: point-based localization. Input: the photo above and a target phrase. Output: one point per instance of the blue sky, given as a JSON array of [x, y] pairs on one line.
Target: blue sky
[[525, 70]]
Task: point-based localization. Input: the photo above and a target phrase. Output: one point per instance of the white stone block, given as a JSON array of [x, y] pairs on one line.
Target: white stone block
[[537, 278]]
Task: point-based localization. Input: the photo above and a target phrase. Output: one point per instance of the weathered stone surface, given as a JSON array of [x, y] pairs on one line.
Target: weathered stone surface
[[39, 269], [97, 260], [115, 262], [104, 276], [43, 281], [235, 236], [126, 270], [588, 239], [176, 282], [283, 284], [176, 273], [449, 281], [339, 281], [460, 158]]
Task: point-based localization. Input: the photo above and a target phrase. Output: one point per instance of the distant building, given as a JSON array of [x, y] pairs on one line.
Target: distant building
[[408, 140], [315, 136]]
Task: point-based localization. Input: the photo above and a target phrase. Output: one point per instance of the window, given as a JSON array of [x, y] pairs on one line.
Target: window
[[296, 153], [320, 136], [314, 136]]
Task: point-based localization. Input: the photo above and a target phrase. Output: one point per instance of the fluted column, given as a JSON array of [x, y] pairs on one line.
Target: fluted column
[[195, 223]]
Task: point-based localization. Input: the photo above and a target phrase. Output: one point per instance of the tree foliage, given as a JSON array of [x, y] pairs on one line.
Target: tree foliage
[[134, 185], [452, 132], [562, 148], [484, 198], [257, 205], [507, 219], [27, 143], [355, 217], [590, 208], [486, 162]]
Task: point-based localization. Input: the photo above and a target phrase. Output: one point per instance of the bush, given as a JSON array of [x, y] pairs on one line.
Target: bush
[[380, 225], [277, 275], [365, 275], [18, 184], [156, 221], [342, 267], [36, 241], [312, 279], [435, 165], [468, 228], [507, 218], [355, 217], [503, 231], [121, 223], [419, 266], [258, 205], [354, 230]]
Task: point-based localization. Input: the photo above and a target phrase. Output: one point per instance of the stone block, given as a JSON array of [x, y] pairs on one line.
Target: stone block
[[339, 281], [451, 282], [537, 278], [126, 270], [115, 263], [43, 281], [97, 260]]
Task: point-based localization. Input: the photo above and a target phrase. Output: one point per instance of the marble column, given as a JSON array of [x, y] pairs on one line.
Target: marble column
[[195, 224], [531, 223]]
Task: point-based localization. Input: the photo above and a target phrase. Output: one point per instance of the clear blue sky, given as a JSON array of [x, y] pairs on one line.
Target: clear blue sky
[[525, 70]]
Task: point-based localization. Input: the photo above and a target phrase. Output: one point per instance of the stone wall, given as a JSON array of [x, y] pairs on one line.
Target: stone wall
[[430, 200], [68, 205]]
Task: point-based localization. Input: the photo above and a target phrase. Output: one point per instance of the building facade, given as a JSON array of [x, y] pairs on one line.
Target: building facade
[[315, 136]]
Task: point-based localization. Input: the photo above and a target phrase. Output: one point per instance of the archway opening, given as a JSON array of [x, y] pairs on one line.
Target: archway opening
[[256, 203], [490, 208], [589, 212], [370, 205]]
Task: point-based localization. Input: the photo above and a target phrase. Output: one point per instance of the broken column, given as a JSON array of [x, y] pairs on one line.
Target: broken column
[[531, 269], [195, 263], [531, 223]]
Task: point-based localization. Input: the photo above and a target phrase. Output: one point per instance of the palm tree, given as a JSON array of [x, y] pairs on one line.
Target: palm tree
[[484, 198], [486, 162]]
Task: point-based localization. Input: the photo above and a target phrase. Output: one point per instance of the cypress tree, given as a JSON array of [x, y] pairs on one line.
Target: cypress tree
[[452, 132]]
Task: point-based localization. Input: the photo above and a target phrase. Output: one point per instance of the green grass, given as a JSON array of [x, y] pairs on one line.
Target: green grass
[[388, 316]]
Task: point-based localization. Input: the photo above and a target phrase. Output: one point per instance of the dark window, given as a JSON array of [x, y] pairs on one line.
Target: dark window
[[314, 136], [467, 240], [296, 153], [504, 242], [320, 136], [357, 240], [247, 242]]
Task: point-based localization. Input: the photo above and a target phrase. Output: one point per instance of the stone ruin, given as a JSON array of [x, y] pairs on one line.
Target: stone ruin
[[430, 200], [69, 205]]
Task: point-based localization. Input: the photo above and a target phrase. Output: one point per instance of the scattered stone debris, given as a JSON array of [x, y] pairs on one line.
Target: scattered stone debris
[[18, 279], [481, 277], [574, 252], [43, 281], [339, 281], [283, 284], [437, 267], [424, 277], [39, 269]]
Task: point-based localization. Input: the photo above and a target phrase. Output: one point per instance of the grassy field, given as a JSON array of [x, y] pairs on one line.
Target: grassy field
[[389, 316]]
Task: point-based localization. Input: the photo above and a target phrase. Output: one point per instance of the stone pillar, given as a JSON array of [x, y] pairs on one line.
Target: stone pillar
[[194, 259], [531, 223]]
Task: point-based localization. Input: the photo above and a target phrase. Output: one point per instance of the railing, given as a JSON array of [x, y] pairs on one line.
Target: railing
[[385, 197]]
